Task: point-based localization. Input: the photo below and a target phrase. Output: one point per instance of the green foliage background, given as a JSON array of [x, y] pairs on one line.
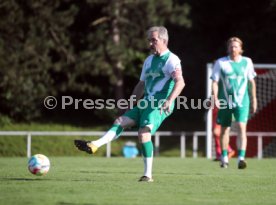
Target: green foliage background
[[95, 49], [76, 47]]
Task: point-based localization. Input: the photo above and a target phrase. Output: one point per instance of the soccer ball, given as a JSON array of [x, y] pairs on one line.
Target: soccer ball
[[39, 164]]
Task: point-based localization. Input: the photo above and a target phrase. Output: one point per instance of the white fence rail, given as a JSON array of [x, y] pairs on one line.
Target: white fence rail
[[182, 135]]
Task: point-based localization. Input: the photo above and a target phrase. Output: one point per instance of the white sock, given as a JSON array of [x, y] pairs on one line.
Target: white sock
[[108, 137], [240, 158], [225, 159], [148, 166]]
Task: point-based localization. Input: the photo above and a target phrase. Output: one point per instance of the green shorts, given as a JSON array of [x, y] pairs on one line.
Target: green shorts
[[225, 116], [148, 116]]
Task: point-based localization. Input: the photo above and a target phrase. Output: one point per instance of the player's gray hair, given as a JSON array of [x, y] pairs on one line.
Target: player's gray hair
[[162, 32]]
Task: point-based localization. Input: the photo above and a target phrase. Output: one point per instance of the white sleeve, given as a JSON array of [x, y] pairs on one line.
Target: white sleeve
[[251, 72], [142, 76], [174, 67], [216, 71]]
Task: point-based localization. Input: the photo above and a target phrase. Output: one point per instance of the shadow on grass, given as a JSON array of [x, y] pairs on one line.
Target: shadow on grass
[[66, 203], [134, 172], [22, 179], [107, 172], [41, 179]]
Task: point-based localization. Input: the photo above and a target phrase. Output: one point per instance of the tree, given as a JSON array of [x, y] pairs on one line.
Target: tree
[[30, 52], [86, 47], [116, 41]]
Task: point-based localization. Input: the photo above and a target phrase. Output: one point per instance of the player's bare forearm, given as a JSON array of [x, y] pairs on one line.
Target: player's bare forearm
[[178, 87], [253, 88], [215, 92], [138, 91], [253, 95], [215, 89]]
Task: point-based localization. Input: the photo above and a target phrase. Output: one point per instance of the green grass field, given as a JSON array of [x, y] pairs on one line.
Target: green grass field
[[112, 181]]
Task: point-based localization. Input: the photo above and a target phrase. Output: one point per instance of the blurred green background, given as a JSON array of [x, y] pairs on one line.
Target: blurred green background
[[94, 49]]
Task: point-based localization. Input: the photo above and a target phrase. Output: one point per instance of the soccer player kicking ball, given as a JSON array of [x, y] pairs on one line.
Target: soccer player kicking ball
[[233, 81], [160, 82]]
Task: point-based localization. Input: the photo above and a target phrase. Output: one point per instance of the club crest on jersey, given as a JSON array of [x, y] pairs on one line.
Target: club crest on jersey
[[152, 74]]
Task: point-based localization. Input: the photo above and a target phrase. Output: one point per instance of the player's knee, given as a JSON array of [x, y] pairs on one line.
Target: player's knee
[[124, 122], [144, 135], [225, 131], [118, 121], [241, 126], [216, 132]]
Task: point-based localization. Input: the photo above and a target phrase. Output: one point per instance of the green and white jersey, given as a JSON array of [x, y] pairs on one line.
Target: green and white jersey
[[158, 73], [233, 80]]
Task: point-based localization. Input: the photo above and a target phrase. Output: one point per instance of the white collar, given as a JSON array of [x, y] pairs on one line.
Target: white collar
[[164, 52], [239, 59]]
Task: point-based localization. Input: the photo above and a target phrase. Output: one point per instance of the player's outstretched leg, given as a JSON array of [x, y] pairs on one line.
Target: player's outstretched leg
[[92, 146]]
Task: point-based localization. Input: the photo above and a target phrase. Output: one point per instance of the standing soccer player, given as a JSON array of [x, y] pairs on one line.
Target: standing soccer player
[[233, 82], [160, 81]]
